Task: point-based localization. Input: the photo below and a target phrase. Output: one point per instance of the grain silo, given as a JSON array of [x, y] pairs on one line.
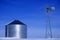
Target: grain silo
[[16, 29]]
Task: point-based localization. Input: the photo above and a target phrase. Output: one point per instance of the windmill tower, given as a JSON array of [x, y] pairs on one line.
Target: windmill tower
[[48, 25]]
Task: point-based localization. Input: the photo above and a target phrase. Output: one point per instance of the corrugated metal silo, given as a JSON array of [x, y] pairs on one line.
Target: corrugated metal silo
[[16, 29]]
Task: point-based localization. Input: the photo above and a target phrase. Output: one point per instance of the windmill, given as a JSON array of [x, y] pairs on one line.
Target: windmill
[[48, 24]]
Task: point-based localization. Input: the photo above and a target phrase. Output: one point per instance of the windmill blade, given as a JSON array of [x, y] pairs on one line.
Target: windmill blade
[[49, 8]]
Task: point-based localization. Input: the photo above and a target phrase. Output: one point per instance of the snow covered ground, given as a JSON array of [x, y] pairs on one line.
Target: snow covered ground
[[30, 39]]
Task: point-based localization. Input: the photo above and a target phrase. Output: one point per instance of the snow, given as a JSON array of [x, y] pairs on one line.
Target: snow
[[30, 39]]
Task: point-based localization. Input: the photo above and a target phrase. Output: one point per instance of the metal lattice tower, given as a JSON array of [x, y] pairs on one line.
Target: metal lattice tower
[[48, 24], [48, 27]]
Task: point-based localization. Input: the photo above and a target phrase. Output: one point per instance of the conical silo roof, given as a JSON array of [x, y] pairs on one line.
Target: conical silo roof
[[16, 22]]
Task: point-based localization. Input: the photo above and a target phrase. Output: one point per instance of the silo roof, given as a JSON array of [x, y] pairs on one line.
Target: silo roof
[[16, 22]]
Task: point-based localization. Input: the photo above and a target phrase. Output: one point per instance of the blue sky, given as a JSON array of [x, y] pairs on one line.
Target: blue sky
[[32, 13]]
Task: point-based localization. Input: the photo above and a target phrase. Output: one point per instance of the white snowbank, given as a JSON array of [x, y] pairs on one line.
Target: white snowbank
[[30, 39]]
